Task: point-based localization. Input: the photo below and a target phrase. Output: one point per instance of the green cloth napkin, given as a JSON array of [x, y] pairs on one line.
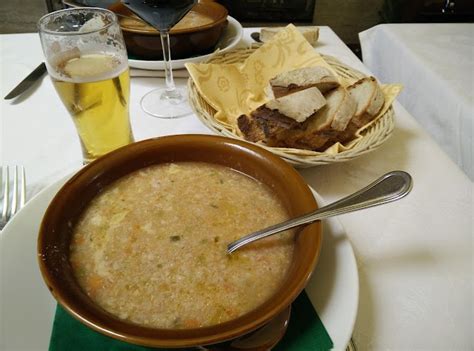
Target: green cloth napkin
[[305, 332]]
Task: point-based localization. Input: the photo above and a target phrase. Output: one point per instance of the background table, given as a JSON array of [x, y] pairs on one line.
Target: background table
[[435, 63], [415, 256]]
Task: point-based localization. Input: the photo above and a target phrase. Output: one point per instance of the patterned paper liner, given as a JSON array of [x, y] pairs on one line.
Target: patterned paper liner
[[233, 83]]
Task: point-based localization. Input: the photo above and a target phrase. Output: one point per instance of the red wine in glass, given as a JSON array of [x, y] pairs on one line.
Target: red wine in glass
[[169, 102], [160, 14]]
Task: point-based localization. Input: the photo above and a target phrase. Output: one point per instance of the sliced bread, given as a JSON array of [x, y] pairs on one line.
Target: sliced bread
[[299, 105], [370, 100], [339, 109], [302, 78], [326, 123], [344, 112], [312, 134]]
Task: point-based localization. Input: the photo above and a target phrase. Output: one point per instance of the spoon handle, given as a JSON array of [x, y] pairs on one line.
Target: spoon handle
[[390, 187]]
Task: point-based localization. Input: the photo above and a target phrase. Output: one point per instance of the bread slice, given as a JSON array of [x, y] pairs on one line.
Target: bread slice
[[345, 111], [340, 108], [311, 33], [370, 100], [298, 106], [302, 78]]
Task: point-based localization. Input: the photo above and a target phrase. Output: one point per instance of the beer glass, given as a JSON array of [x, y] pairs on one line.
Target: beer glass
[[87, 62]]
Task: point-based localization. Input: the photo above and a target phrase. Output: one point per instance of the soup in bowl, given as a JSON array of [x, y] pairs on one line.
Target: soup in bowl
[[134, 245], [196, 34]]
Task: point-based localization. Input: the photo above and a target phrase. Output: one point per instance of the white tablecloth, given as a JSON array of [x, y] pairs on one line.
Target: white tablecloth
[[435, 63], [415, 256]]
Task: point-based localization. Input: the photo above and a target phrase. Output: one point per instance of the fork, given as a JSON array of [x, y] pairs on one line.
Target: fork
[[15, 199]]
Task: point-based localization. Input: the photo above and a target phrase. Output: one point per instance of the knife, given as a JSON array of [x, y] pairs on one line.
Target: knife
[[27, 82]]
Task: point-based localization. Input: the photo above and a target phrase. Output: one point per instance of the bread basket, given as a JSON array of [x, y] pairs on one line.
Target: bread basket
[[373, 135]]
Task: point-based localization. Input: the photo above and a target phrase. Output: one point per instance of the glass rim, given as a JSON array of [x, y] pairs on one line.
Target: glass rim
[[41, 28]]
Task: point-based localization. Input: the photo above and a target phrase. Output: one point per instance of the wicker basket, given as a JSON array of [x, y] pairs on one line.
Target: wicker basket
[[372, 137]]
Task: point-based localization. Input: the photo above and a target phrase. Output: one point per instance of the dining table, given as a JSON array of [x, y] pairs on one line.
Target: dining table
[[414, 256], [435, 63]]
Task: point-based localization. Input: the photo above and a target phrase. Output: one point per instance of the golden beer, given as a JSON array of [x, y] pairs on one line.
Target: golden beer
[[95, 89]]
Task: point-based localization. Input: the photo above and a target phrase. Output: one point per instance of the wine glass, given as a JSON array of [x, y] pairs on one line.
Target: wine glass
[[168, 102]]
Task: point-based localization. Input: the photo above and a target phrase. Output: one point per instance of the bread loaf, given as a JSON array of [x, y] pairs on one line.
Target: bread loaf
[[303, 78], [250, 128]]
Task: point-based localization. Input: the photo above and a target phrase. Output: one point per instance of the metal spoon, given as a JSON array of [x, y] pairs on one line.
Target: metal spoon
[[390, 187]]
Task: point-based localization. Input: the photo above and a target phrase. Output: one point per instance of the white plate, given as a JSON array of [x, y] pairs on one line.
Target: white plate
[[229, 39], [27, 308], [334, 286]]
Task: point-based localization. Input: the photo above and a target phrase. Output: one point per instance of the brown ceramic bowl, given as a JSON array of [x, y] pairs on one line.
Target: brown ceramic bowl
[[196, 34], [65, 209]]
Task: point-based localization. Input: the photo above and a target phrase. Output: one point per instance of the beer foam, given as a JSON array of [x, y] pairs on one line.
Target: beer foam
[[88, 68]]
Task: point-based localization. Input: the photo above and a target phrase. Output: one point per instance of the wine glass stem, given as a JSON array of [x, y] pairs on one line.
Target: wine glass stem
[[165, 44]]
